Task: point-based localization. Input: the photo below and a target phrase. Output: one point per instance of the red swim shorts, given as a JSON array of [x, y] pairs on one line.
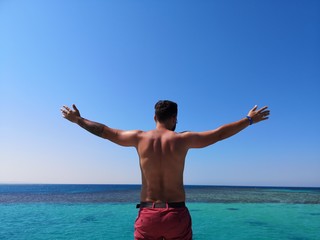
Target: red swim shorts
[[163, 223]]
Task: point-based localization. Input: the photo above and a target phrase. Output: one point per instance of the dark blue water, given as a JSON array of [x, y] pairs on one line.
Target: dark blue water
[[77, 193]]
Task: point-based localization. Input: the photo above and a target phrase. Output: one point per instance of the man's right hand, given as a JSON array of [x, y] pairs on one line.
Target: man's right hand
[[69, 114], [259, 115]]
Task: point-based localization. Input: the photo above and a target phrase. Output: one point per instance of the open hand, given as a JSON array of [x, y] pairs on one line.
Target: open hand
[[259, 115], [71, 115]]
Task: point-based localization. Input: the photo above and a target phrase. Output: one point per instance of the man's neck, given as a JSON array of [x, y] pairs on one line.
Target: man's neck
[[162, 126]]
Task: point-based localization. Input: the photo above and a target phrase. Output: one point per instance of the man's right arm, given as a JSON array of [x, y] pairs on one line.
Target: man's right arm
[[203, 139]]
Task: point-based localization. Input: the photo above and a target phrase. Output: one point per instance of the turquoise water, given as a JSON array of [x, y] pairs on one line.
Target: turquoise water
[[256, 221], [102, 212], [115, 221]]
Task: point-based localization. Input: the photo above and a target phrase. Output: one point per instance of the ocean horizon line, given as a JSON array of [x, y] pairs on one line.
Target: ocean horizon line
[[139, 184]]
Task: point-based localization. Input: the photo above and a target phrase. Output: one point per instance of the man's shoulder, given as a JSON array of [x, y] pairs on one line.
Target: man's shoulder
[[183, 132], [155, 133]]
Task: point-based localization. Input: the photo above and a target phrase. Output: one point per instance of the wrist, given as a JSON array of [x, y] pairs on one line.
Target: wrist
[[77, 119], [250, 120]]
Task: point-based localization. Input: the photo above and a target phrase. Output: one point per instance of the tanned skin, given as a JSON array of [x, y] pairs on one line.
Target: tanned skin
[[161, 151]]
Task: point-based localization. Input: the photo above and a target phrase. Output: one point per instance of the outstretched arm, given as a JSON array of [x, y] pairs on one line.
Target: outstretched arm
[[123, 138], [203, 139]]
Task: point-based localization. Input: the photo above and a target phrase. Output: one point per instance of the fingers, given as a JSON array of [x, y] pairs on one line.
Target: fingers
[[75, 108], [66, 108], [262, 109], [254, 108], [264, 112], [65, 111], [70, 114], [259, 115]]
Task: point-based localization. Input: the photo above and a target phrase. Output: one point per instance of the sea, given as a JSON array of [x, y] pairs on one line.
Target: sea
[[94, 212]]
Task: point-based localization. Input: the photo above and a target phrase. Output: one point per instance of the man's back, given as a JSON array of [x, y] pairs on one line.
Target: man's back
[[162, 157]]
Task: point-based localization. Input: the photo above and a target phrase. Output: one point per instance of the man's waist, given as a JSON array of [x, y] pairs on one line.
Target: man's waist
[[161, 205]]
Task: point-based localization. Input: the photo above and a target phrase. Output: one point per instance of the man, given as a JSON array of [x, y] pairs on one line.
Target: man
[[162, 152]]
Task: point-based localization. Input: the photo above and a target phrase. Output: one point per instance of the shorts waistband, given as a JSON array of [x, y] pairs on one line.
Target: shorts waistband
[[161, 205]]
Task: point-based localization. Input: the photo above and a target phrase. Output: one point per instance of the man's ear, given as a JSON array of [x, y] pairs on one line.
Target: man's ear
[[174, 118], [155, 118]]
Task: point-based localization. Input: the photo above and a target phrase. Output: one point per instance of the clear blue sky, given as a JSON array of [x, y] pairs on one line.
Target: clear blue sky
[[115, 59]]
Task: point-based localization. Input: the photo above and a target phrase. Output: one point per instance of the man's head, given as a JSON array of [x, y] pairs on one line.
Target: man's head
[[166, 112]]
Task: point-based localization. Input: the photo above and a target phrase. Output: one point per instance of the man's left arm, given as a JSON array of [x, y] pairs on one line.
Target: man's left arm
[[120, 137]]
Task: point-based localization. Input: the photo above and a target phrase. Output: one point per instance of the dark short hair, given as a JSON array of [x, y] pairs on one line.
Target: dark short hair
[[165, 109]]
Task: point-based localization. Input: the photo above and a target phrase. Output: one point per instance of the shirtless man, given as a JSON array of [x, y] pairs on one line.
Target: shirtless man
[[162, 152]]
